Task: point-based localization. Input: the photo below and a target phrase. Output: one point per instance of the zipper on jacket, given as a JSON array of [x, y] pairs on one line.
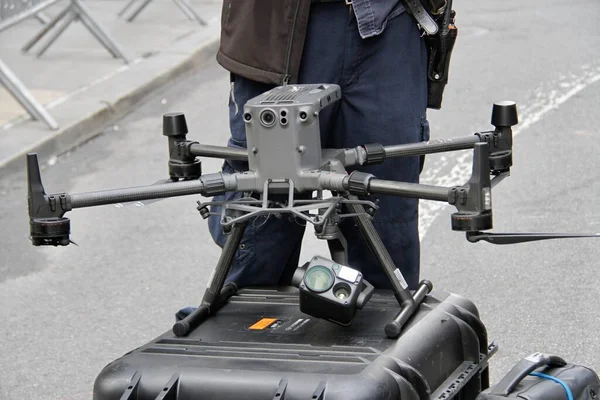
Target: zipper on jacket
[[286, 77]]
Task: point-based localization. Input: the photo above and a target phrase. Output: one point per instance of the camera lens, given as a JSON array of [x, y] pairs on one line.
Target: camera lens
[[267, 118], [341, 293], [319, 278]]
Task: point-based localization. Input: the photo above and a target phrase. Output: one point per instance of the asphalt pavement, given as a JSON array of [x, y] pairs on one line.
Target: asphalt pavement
[[67, 312]]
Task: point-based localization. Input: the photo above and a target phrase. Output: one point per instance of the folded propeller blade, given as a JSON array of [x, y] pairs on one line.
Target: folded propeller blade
[[514, 238]]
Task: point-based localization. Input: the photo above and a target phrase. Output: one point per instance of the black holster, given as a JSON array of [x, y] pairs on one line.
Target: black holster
[[435, 7], [439, 49]]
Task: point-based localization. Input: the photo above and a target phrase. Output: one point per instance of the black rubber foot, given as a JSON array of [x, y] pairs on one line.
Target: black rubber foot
[[181, 328], [392, 330]]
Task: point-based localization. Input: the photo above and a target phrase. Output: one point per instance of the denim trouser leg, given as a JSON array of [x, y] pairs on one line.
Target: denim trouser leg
[[384, 91]]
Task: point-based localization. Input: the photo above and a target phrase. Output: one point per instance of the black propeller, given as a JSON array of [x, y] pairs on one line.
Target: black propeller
[[514, 238]]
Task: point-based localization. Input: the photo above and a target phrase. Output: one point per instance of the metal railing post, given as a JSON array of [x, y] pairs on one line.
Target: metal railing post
[[182, 4], [22, 95], [76, 11]]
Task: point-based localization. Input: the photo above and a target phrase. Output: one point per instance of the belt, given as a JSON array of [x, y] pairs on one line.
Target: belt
[[422, 16], [348, 2], [414, 7]]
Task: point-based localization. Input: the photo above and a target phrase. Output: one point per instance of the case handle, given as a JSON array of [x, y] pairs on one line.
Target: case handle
[[523, 368]]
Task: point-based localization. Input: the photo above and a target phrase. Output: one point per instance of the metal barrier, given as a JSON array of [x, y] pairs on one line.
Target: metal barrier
[[75, 11], [22, 95], [12, 12], [9, 8], [182, 4]]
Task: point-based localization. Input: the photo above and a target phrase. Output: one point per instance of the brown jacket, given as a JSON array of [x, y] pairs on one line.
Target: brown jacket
[[263, 40]]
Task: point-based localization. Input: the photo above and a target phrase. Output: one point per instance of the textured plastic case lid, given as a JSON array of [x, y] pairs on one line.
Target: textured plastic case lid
[[260, 346]]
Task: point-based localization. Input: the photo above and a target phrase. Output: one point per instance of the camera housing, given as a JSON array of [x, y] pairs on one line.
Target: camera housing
[[330, 290]]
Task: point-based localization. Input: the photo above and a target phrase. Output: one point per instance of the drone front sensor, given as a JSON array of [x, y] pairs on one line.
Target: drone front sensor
[[283, 135]]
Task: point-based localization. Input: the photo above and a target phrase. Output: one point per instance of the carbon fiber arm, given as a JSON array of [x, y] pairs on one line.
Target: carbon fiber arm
[[285, 157]]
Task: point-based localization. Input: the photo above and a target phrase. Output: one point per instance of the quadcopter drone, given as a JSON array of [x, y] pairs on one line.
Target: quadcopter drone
[[285, 157]]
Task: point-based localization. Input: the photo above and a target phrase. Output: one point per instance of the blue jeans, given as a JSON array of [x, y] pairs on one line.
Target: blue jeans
[[384, 100]]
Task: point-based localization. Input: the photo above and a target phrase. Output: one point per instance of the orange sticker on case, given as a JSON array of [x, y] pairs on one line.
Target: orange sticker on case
[[263, 324]]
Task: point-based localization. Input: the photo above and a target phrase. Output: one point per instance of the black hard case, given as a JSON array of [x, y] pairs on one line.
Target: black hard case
[[441, 353], [583, 382]]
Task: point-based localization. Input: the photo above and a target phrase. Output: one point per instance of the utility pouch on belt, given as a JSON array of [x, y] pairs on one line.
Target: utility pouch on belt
[[439, 49]]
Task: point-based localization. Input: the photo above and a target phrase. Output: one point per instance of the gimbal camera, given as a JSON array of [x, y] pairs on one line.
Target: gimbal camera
[[285, 158]]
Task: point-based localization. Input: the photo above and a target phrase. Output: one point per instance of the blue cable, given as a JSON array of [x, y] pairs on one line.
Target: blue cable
[[552, 378]]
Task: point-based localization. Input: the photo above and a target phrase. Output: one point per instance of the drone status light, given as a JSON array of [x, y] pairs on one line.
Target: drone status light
[[487, 198]]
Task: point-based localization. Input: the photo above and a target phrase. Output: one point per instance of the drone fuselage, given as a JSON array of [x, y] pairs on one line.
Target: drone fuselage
[[284, 137]]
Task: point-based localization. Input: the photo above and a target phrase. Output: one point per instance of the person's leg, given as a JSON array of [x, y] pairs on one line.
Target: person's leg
[[384, 101], [269, 252], [268, 243]]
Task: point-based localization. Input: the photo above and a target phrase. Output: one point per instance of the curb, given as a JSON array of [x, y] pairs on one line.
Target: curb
[[72, 134]]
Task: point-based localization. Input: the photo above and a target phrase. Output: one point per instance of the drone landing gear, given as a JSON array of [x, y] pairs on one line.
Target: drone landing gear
[[216, 293], [342, 296], [408, 303], [320, 281]]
